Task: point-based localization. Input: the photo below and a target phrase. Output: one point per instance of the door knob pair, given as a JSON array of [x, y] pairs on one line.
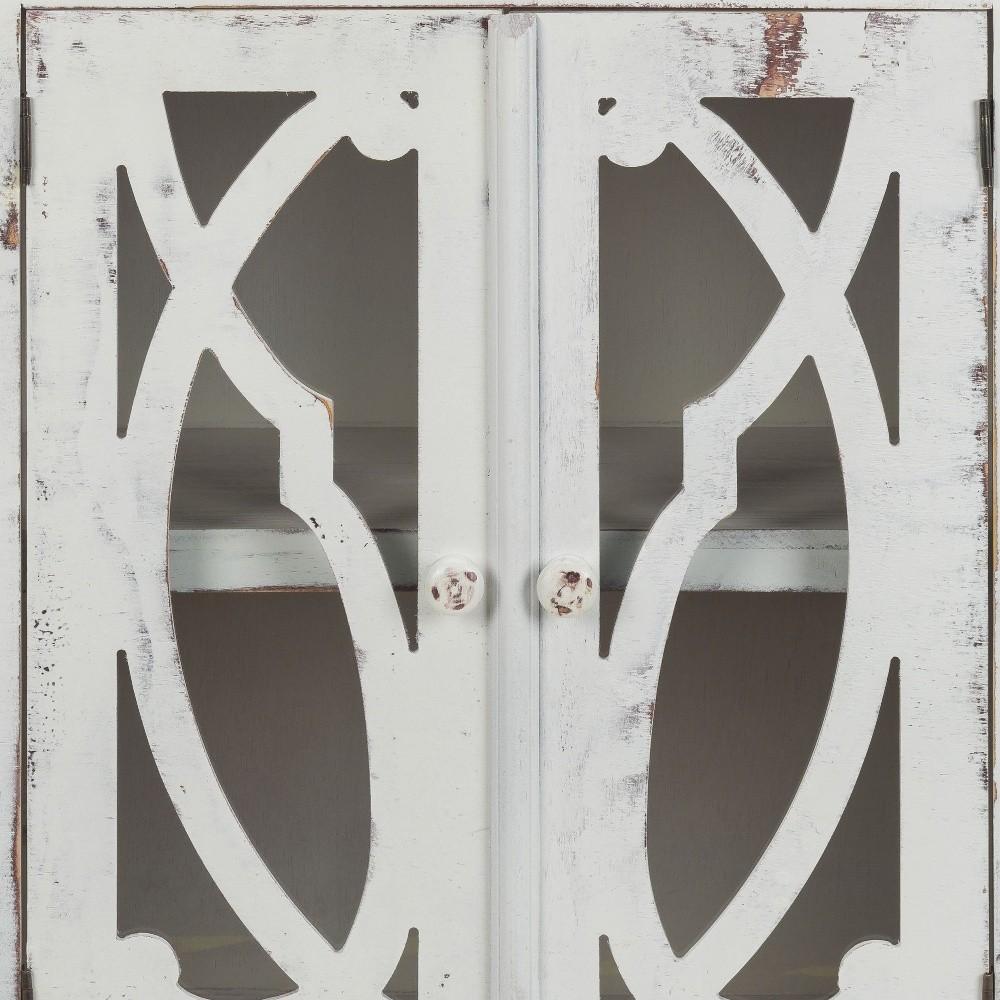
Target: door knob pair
[[566, 585]]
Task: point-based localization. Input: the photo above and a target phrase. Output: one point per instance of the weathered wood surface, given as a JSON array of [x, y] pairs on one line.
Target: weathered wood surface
[[227, 478], [10, 514], [637, 5], [992, 467], [282, 559], [99, 504], [515, 500], [916, 512], [925, 604], [786, 536]]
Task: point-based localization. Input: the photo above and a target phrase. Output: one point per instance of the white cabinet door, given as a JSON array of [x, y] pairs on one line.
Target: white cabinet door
[[764, 764], [124, 102]]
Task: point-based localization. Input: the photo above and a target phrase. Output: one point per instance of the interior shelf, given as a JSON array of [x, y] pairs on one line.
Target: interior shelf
[[229, 531]]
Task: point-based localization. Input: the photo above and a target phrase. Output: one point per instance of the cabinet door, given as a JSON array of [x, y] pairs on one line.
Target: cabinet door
[[764, 762], [258, 759]]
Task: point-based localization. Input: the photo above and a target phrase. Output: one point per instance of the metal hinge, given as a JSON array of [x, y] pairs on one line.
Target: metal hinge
[[986, 140], [25, 140], [988, 993], [27, 991]]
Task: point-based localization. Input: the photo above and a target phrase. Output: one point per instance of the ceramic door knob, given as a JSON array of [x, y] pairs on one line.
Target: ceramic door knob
[[455, 585], [567, 586]]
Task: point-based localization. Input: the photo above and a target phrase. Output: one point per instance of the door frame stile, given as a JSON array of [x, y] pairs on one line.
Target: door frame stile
[[992, 486], [11, 554], [514, 531]]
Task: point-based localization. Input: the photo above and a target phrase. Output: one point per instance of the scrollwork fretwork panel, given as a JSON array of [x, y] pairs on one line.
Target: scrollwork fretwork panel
[[389, 84], [615, 94], [625, 90]]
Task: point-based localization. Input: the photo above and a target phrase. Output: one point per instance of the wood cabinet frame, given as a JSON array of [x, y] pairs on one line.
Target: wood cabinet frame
[[515, 324]]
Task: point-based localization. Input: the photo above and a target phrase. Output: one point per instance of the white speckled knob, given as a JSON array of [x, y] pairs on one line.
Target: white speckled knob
[[566, 586], [454, 584]]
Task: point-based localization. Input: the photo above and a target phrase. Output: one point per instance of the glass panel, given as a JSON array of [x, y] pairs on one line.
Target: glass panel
[[403, 984], [800, 141], [612, 985], [684, 294], [873, 296], [274, 687], [217, 133], [163, 886], [853, 893]]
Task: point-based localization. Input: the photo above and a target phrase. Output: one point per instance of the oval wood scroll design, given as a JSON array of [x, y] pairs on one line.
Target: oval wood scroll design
[[600, 870], [813, 320], [98, 79], [202, 315], [421, 827]]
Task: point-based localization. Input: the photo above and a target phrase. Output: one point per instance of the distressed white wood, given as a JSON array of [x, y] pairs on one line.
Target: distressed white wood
[[638, 5], [989, 373], [921, 370], [98, 535], [284, 559], [10, 517], [515, 499], [218, 476], [271, 559], [915, 79], [751, 561]]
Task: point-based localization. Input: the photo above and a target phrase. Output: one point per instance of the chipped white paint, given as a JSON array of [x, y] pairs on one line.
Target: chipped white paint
[[637, 5], [99, 505], [915, 79], [567, 585], [513, 406], [281, 559], [992, 467], [751, 561], [455, 585], [10, 520], [271, 559], [925, 603]]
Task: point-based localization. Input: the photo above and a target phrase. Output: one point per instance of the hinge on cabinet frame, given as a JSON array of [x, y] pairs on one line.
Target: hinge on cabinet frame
[[26, 141], [27, 991], [986, 140], [988, 993]]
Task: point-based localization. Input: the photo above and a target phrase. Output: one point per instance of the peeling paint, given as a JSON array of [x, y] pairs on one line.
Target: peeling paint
[[734, 151], [518, 24], [10, 230], [783, 37]]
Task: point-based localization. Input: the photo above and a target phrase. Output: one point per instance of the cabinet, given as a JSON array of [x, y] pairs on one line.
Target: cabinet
[[507, 503]]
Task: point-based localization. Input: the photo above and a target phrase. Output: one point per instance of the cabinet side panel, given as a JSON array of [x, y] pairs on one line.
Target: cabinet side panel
[[10, 510]]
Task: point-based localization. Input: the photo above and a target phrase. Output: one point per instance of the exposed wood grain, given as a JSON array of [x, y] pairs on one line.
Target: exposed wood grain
[[636, 5], [226, 488]]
